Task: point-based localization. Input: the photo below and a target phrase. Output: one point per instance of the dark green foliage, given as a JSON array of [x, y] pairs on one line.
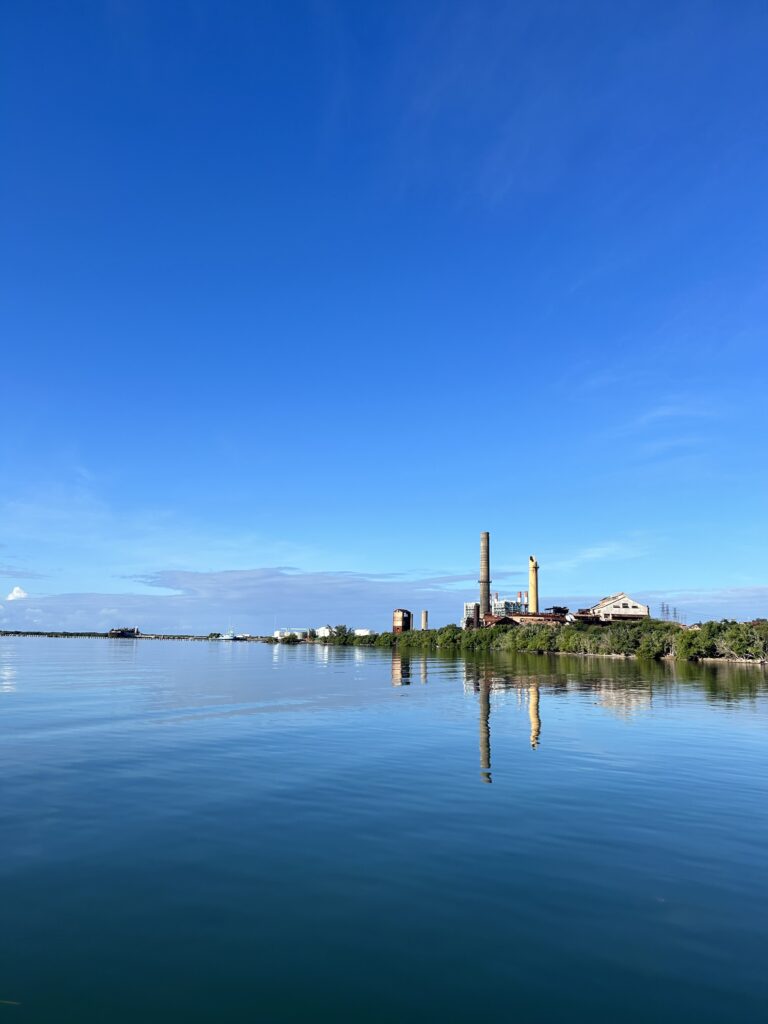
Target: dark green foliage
[[341, 637], [740, 640], [364, 641], [648, 639], [688, 645]]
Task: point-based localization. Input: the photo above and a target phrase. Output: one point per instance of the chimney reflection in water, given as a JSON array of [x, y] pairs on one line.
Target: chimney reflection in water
[[401, 669], [533, 713], [482, 687], [485, 731], [481, 681]]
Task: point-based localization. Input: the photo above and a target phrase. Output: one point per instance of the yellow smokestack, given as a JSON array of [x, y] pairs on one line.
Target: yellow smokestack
[[533, 586]]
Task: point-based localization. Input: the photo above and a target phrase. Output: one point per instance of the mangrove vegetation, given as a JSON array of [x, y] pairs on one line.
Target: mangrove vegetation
[[649, 638]]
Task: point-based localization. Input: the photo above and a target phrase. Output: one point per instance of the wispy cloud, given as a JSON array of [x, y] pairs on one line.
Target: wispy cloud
[[16, 571], [254, 600], [673, 410], [615, 550]]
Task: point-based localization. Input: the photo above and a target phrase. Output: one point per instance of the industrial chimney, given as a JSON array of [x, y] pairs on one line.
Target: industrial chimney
[[533, 586], [485, 574], [425, 619]]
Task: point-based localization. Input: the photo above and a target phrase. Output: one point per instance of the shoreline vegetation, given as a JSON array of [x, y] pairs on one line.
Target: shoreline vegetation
[[650, 639], [653, 639]]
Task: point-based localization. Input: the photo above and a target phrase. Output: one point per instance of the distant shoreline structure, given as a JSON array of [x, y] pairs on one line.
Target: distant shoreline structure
[[64, 634], [649, 640]]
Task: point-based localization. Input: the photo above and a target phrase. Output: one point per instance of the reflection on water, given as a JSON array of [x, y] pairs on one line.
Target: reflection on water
[[482, 680], [533, 712], [401, 669], [252, 830], [485, 731], [624, 688]]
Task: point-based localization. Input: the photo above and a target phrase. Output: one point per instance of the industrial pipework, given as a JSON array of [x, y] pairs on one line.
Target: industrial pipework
[[533, 586], [485, 574]]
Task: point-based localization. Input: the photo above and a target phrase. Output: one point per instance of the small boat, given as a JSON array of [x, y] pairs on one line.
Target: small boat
[[226, 636]]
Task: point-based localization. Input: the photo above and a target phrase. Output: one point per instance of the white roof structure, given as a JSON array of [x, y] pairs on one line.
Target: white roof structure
[[620, 606]]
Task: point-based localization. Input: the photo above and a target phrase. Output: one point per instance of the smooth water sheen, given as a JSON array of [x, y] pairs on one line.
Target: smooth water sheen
[[238, 832]]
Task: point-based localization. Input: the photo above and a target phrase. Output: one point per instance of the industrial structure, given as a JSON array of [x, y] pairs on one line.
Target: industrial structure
[[507, 611], [492, 610], [510, 606], [320, 633], [523, 610], [618, 607], [485, 574], [533, 586], [402, 620]]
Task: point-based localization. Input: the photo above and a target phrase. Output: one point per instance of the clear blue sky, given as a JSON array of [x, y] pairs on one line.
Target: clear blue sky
[[299, 297]]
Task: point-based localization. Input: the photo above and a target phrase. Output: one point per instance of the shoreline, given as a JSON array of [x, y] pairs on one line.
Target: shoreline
[[195, 638], [93, 635]]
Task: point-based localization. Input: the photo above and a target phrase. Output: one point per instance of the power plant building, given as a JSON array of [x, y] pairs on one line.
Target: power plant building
[[507, 611], [402, 620], [618, 607], [468, 615], [510, 605]]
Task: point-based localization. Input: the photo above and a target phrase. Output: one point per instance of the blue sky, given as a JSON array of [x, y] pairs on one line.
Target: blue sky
[[299, 297]]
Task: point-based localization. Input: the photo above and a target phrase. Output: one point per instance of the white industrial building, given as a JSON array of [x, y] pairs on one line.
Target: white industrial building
[[469, 608], [500, 606], [281, 634], [324, 632], [509, 605], [619, 606]]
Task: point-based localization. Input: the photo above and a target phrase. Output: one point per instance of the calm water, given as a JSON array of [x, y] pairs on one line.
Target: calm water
[[237, 832]]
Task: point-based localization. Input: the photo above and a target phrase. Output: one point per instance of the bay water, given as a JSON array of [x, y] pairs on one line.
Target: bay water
[[201, 831]]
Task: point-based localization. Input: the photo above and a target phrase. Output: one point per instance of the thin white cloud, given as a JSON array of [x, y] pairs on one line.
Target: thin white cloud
[[596, 553], [664, 445], [673, 410], [17, 570]]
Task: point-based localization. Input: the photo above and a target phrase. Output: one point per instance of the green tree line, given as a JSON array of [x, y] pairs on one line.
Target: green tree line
[[649, 638]]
